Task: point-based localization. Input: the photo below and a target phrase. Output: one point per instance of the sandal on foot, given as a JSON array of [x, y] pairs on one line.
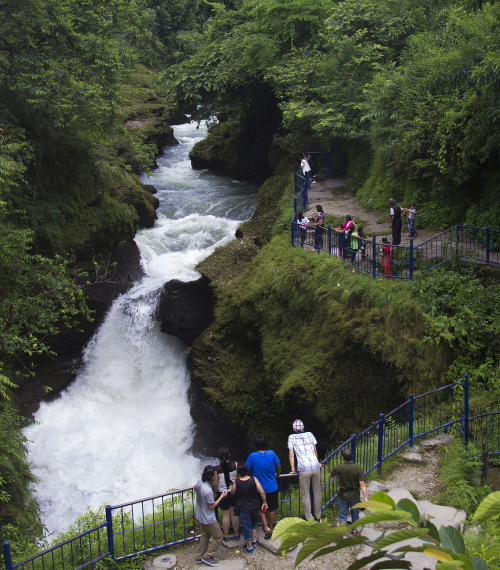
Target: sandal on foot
[[235, 537], [226, 538], [268, 534], [354, 532]]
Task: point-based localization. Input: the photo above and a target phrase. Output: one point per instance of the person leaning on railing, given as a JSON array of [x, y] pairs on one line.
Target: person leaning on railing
[[303, 446], [351, 481]]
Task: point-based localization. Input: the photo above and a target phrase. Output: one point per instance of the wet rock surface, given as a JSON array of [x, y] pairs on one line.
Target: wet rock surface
[[186, 309]]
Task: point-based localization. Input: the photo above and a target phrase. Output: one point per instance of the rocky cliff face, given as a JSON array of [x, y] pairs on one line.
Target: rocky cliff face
[[186, 309]]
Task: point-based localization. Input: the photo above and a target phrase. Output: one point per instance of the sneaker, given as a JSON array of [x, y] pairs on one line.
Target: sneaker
[[248, 550], [317, 520], [210, 561], [254, 543], [199, 561]]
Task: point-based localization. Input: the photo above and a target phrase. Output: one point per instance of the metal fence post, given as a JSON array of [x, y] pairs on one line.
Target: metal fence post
[[353, 447], [306, 176], [295, 206], [343, 246], [295, 178], [374, 256], [380, 442], [466, 410], [318, 229], [293, 242], [487, 245], [7, 555], [329, 240], [410, 420], [411, 265], [109, 530]]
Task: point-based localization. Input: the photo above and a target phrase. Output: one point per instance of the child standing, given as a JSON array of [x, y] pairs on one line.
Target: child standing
[[412, 214], [387, 258]]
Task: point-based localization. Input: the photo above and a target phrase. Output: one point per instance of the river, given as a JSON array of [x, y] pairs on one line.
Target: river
[[123, 429]]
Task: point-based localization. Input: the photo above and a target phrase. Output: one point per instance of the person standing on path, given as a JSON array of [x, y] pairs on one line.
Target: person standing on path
[[412, 214], [396, 222], [351, 481], [304, 164], [302, 222], [226, 473], [265, 465], [387, 258], [246, 488], [302, 445], [205, 505]]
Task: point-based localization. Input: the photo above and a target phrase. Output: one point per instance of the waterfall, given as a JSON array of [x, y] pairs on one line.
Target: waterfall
[[122, 430]]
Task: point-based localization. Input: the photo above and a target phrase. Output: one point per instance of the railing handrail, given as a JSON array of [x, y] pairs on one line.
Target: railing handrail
[[175, 491]]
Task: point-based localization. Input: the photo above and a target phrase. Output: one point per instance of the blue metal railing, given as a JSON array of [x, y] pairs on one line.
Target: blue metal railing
[[403, 262], [78, 552], [147, 525]]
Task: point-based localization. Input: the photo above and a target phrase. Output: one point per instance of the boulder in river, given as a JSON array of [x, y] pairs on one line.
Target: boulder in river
[[186, 309]]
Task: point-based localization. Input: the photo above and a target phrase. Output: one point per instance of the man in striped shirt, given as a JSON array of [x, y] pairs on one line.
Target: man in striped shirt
[[302, 445]]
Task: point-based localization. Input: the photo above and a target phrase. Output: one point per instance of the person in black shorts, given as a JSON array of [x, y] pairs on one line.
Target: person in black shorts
[[226, 474], [265, 465]]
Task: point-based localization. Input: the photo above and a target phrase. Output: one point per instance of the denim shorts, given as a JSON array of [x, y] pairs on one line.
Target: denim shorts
[[248, 522]]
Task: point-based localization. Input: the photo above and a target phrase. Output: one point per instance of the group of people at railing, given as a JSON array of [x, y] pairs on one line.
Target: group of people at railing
[[352, 239], [248, 491]]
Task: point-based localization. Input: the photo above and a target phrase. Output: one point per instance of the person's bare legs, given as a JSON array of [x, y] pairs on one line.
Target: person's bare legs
[[264, 521], [225, 523], [271, 520], [235, 522]]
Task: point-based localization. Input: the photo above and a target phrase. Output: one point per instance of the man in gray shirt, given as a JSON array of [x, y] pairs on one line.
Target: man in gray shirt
[[205, 505], [303, 446]]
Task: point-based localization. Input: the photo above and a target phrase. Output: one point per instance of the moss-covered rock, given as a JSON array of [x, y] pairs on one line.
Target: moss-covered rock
[[232, 150]]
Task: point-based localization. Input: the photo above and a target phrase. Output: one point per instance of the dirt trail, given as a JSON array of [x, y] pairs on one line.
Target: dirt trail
[[337, 202]]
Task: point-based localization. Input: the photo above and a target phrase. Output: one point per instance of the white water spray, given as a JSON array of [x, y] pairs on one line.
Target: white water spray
[[123, 429]]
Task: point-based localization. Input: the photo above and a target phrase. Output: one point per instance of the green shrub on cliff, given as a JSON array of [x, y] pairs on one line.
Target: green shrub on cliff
[[304, 328]]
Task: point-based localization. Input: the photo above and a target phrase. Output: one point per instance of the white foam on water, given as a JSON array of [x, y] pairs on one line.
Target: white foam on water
[[123, 429]]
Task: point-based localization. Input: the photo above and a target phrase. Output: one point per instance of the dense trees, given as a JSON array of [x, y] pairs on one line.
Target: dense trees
[[408, 91]]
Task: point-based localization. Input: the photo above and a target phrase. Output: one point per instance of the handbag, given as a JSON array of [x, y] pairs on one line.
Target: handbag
[[237, 503]]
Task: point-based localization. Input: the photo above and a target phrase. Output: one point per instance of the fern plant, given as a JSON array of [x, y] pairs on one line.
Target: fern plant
[[445, 544]]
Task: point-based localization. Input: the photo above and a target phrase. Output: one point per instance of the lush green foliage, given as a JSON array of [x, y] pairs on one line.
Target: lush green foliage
[[445, 544], [460, 477]]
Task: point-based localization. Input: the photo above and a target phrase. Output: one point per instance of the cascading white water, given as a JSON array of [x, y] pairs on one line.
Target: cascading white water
[[123, 429]]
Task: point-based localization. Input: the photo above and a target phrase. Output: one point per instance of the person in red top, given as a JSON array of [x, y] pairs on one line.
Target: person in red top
[[344, 229], [387, 258]]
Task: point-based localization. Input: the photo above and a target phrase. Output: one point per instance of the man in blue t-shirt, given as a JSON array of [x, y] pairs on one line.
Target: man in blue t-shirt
[[265, 465]]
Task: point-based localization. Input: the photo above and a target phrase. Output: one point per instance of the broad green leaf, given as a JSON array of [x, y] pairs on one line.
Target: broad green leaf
[[299, 533], [433, 531], [452, 539], [467, 562], [449, 565], [352, 541], [317, 542], [366, 560], [479, 563], [492, 552], [489, 507], [373, 506], [284, 525], [398, 536], [382, 516], [381, 497], [438, 554], [391, 564], [411, 507]]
